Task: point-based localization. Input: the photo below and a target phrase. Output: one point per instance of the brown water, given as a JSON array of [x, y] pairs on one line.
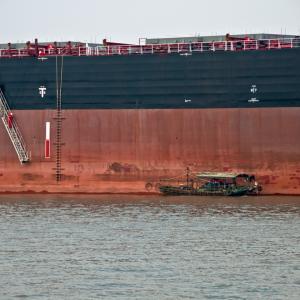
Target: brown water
[[135, 247]]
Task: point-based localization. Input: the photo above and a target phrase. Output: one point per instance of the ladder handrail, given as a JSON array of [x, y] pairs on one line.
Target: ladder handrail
[[22, 154], [14, 122], [13, 131], [4, 103]]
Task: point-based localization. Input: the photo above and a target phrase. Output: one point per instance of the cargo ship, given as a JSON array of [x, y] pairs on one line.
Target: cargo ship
[[117, 118]]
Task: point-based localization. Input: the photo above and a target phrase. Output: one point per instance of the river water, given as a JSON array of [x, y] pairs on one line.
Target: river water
[[137, 247]]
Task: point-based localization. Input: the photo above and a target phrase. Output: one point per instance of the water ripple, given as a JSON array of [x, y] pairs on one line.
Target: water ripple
[[136, 247]]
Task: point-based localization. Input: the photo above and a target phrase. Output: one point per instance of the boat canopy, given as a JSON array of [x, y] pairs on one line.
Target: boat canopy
[[220, 175]]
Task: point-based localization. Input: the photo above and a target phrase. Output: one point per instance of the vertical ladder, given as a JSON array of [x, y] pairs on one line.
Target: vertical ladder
[[13, 130], [59, 119], [58, 145]]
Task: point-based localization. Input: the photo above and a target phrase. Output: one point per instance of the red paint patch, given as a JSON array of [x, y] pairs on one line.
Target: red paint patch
[[47, 149]]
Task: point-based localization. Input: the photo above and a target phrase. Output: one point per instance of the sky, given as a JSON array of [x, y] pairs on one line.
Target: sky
[[129, 20]]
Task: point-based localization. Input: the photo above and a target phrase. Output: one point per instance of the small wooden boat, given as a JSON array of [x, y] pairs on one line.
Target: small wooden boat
[[214, 184]]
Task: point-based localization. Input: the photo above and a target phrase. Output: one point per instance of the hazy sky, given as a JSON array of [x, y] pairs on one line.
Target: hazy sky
[[128, 20]]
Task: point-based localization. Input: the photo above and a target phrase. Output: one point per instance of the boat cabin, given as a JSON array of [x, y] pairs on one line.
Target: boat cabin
[[218, 180]]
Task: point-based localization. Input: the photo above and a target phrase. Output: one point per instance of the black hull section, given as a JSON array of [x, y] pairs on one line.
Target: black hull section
[[268, 78], [178, 191]]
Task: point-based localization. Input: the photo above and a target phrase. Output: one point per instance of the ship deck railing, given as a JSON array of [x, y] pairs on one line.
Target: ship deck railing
[[180, 48]]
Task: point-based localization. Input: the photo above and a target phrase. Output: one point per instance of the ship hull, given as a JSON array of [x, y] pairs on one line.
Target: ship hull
[[130, 150], [131, 120]]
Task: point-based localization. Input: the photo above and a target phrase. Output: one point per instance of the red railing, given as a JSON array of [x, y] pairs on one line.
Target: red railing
[[181, 48]]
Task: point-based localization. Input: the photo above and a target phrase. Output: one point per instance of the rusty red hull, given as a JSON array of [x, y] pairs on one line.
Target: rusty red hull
[[128, 151]]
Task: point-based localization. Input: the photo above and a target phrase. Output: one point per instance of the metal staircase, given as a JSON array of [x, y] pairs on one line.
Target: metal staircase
[[13, 130]]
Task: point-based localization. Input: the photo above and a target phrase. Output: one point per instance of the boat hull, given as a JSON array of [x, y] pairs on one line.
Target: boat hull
[[180, 191], [130, 150]]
